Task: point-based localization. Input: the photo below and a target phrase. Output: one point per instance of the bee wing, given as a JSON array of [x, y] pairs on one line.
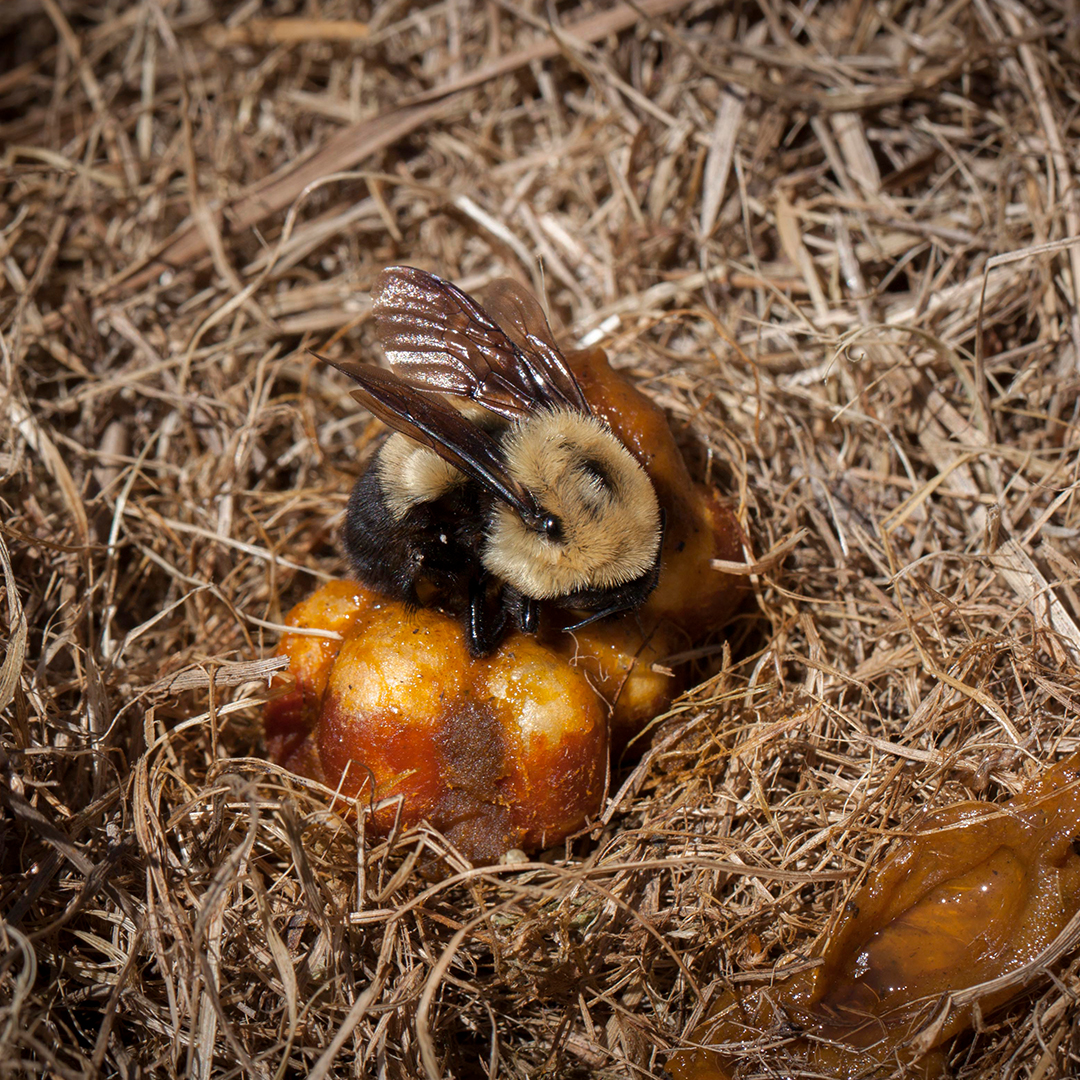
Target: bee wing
[[441, 339], [519, 314], [439, 426]]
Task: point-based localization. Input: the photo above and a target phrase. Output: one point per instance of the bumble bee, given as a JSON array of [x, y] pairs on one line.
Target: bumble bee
[[519, 495]]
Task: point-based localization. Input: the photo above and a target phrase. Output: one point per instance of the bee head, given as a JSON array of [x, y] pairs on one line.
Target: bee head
[[597, 524]]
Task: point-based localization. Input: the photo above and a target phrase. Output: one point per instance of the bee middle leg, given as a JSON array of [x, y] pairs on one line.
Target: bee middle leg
[[528, 615], [484, 626]]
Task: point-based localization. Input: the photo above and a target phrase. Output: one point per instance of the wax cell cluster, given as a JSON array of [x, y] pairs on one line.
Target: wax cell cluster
[[383, 703]]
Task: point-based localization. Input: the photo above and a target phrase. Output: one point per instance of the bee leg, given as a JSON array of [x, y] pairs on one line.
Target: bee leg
[[614, 609], [528, 615], [482, 630], [524, 609]]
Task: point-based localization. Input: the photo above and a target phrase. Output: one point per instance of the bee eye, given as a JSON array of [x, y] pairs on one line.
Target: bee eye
[[551, 527]]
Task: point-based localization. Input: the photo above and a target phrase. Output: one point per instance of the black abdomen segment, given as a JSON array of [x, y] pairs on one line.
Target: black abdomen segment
[[436, 541]]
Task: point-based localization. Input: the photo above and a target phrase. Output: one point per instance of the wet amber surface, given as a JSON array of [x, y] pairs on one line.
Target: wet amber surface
[[979, 891], [502, 752], [499, 753], [626, 666], [293, 714]]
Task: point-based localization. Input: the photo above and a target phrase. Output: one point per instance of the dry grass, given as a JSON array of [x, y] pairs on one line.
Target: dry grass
[[828, 240]]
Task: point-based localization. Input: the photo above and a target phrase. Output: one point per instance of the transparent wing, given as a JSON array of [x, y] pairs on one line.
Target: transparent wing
[[519, 315], [440, 339]]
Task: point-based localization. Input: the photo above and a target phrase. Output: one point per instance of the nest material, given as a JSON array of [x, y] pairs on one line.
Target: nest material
[[832, 242]]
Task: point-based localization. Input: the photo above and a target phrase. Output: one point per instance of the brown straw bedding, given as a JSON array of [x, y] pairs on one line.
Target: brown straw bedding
[[831, 239]]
